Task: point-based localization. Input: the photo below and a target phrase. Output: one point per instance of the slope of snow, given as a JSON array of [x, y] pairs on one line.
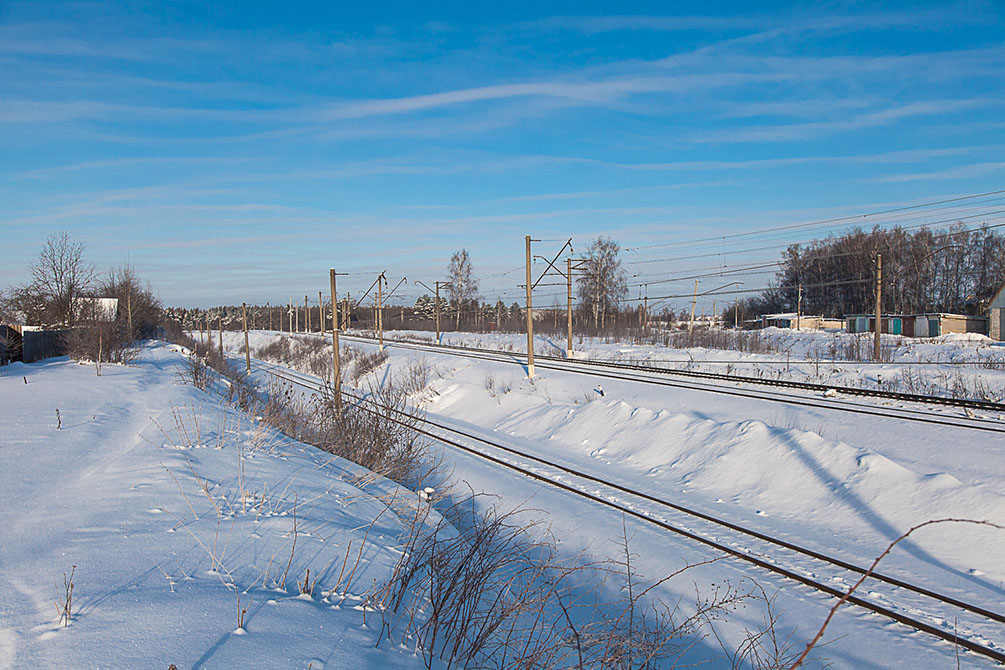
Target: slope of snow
[[170, 506]]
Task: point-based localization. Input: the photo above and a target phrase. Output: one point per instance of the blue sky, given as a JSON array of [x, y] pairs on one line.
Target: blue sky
[[236, 152]]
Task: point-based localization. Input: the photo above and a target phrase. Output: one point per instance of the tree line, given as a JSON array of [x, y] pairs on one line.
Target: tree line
[[952, 270]]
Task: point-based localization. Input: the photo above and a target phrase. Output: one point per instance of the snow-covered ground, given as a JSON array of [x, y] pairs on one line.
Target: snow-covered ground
[[166, 507], [842, 484], [957, 365], [105, 493]]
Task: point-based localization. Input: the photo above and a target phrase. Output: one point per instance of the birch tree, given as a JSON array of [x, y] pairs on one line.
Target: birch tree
[[462, 287], [602, 285]]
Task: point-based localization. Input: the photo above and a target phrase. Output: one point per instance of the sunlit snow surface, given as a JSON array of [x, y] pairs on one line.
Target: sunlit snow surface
[[101, 494], [140, 489]]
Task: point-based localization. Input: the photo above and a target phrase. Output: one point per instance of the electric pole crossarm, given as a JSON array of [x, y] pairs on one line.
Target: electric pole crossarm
[[551, 263], [395, 288], [363, 297]]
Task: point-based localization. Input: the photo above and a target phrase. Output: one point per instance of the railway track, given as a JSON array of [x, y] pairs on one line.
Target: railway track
[[657, 376], [768, 556], [740, 379]]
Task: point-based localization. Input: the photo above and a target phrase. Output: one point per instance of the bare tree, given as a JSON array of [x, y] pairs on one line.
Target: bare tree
[[139, 311], [463, 287], [8, 309], [602, 285], [58, 278]]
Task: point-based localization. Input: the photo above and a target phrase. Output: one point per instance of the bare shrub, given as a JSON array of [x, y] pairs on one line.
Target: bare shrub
[[377, 433], [765, 648], [100, 342], [10, 345], [64, 598], [640, 630], [416, 376], [472, 591], [477, 589], [196, 371], [367, 362], [748, 341], [278, 350]]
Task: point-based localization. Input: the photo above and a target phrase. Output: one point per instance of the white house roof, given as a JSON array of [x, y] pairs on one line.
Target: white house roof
[[105, 309]]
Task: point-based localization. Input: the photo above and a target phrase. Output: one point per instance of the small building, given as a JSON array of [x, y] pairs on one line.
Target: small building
[[937, 323], [930, 324], [96, 309], [793, 320], [866, 323], [996, 325]]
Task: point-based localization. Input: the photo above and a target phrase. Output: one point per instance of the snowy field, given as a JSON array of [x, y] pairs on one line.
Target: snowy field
[[119, 492], [173, 513]]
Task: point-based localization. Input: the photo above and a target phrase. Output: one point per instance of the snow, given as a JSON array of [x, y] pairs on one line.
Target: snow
[[101, 494], [169, 503], [964, 365], [847, 485]]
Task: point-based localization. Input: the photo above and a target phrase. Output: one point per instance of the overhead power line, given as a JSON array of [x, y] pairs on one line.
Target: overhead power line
[[843, 219]]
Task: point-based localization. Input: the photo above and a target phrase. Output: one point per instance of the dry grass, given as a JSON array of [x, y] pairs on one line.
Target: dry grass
[[64, 598]]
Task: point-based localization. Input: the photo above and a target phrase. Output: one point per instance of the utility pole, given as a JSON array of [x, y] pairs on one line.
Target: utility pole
[[321, 314], [336, 363], [530, 317], [290, 312], [380, 310], [129, 310], [220, 323], [736, 314], [307, 316], [268, 308], [247, 346], [694, 300], [799, 308], [437, 313], [437, 284], [568, 277], [879, 306]]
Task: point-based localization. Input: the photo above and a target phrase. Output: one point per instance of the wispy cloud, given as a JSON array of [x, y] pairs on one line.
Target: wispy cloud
[[116, 163], [955, 14], [883, 117], [957, 172]]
